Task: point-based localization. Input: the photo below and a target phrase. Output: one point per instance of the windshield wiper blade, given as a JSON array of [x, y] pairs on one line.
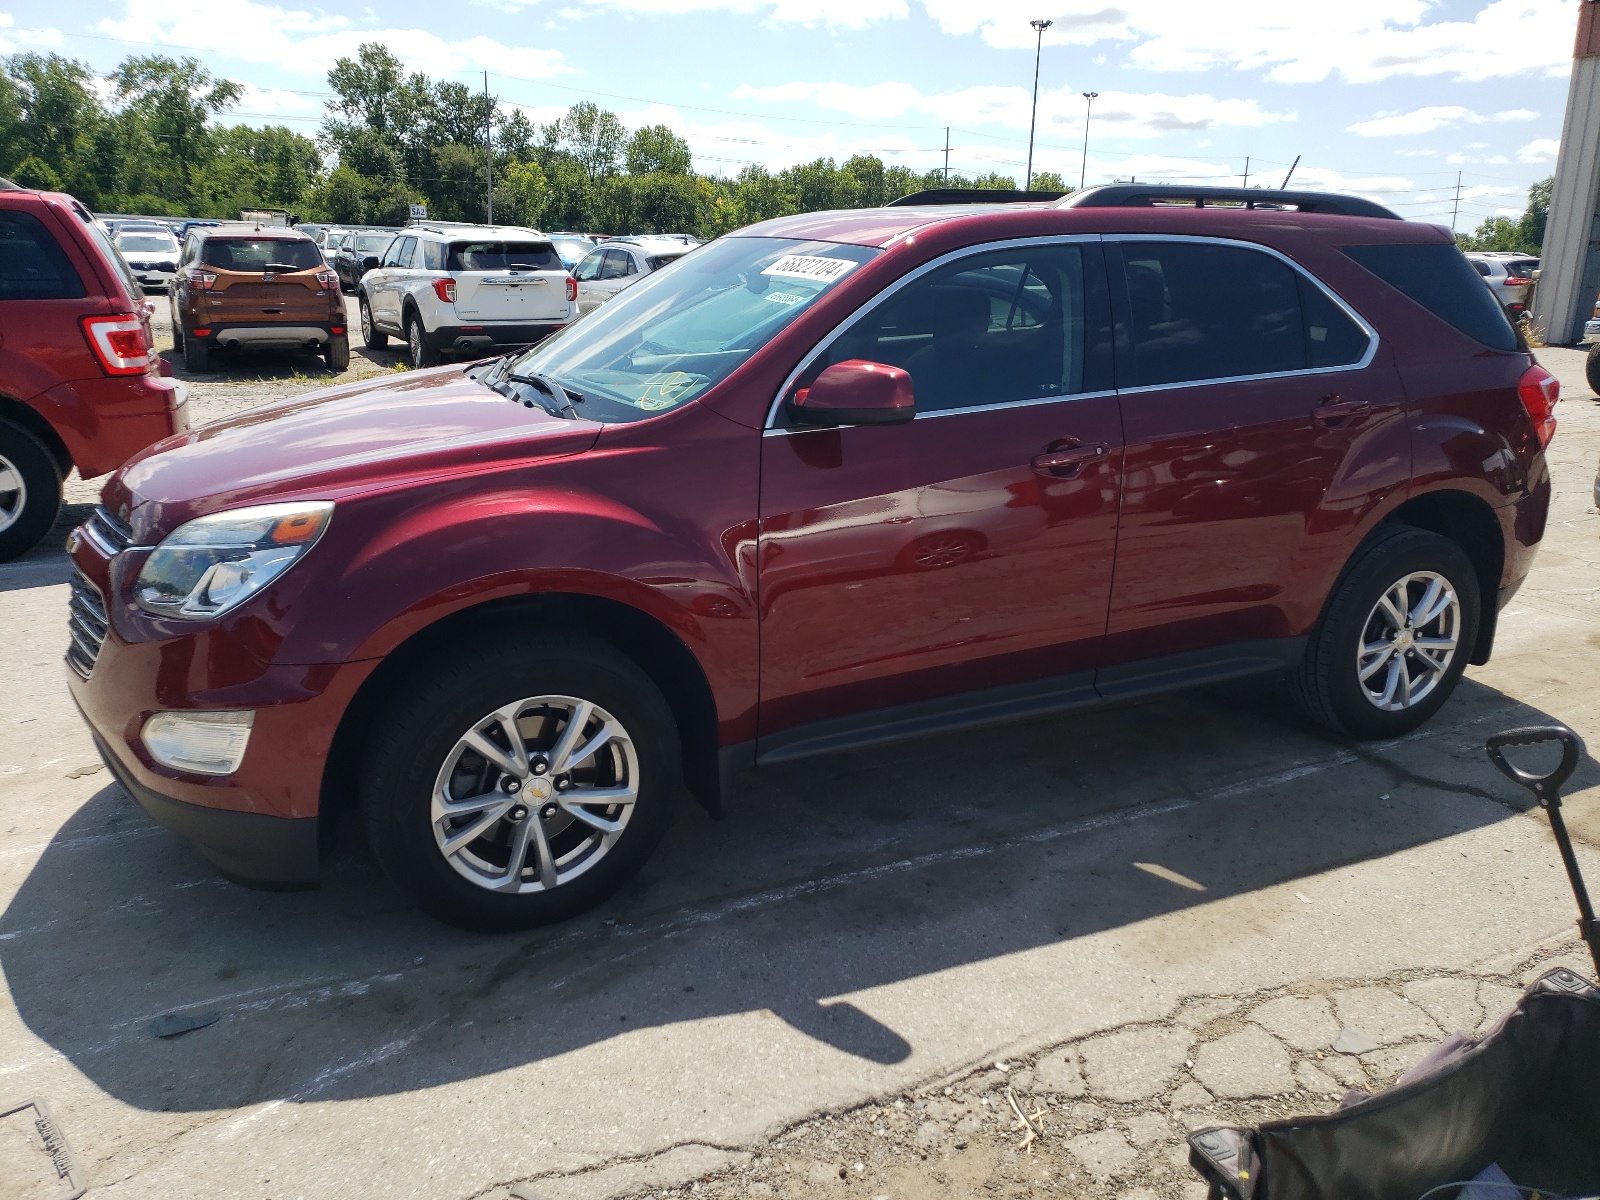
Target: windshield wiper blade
[[561, 394]]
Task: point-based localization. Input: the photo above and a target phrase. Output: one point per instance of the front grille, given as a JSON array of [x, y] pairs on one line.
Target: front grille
[[113, 534], [87, 623]]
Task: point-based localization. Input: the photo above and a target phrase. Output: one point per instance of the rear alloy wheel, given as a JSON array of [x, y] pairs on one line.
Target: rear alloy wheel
[[337, 352], [1395, 637], [516, 784], [422, 354], [373, 337], [30, 491]]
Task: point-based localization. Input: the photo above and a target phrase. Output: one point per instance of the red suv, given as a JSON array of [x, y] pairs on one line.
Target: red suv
[[830, 481], [80, 383]]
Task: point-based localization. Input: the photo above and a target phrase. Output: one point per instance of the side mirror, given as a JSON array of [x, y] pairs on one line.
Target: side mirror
[[856, 392], [369, 263]]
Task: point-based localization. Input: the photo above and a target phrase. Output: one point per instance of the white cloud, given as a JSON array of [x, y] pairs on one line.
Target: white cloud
[[1423, 120], [1516, 114], [18, 40], [307, 43], [1061, 111], [847, 14], [1364, 40], [1539, 150]]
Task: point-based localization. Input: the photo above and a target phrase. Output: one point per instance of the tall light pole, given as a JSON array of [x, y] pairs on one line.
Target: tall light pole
[[1039, 28], [1088, 107]]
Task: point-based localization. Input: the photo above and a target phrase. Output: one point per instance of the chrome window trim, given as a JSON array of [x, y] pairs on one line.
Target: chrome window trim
[[1373, 340], [912, 276], [1361, 364], [957, 412]]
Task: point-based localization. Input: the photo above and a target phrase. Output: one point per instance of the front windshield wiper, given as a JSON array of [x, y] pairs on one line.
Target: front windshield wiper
[[563, 396]]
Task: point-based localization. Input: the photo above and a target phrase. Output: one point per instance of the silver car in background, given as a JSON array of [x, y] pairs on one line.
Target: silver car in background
[[615, 264], [151, 254], [1509, 276]]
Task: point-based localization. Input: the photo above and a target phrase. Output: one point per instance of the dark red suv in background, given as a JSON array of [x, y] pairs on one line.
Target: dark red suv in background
[[830, 481], [80, 383]]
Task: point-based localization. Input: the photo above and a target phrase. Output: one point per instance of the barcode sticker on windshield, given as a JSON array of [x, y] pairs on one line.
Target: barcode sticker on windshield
[[810, 266]]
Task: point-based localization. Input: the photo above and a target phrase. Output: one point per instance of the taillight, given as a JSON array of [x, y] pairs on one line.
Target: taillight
[[572, 290], [1518, 280], [120, 344], [1539, 390], [445, 289], [328, 279], [201, 281]]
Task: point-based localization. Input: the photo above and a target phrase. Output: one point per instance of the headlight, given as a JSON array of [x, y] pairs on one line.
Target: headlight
[[212, 564]]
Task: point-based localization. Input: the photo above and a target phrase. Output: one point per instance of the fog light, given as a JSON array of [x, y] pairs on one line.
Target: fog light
[[205, 742]]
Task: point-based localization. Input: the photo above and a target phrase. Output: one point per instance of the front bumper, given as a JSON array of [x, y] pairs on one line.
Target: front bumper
[[258, 825], [260, 851]]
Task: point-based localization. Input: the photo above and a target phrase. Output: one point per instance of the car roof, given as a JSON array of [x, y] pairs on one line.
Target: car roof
[[451, 231], [238, 229]]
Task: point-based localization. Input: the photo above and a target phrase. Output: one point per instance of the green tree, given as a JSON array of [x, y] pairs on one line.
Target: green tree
[[1530, 229], [1049, 181], [656, 150], [56, 117], [521, 194], [343, 198], [175, 99], [34, 172], [590, 136]]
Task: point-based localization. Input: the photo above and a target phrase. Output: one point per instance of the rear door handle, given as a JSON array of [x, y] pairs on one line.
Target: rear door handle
[[1065, 461], [1332, 409]]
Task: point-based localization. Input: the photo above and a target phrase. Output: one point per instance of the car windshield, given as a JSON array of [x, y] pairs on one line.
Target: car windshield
[[503, 256], [145, 243], [673, 335], [373, 243], [256, 254], [572, 251]]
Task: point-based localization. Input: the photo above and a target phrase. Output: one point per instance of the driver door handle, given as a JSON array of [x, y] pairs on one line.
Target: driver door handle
[[1066, 460], [1333, 410]]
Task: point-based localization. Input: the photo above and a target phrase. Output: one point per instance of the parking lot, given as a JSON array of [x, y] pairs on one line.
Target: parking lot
[[808, 997]]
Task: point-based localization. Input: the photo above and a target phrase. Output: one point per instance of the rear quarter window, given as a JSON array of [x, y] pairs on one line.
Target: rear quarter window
[[1437, 276], [32, 264]]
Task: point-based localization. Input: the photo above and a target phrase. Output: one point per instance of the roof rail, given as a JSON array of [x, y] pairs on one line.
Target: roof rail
[[1162, 195], [973, 196]]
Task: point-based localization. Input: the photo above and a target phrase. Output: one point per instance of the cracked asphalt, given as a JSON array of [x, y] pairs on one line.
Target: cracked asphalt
[[1154, 916]]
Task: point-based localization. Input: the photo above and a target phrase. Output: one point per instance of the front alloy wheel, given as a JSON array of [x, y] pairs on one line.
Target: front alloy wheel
[[1409, 642], [535, 794]]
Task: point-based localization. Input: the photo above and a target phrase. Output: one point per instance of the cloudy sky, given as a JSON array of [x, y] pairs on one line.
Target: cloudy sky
[[1387, 98]]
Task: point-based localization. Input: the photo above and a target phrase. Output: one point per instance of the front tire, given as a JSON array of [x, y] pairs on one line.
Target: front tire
[[30, 491], [1394, 638], [373, 337], [473, 785], [422, 353]]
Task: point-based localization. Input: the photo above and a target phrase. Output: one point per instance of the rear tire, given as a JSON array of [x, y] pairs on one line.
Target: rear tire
[[1402, 655], [196, 354], [373, 337], [337, 353], [419, 753], [1591, 368], [422, 353], [30, 491]]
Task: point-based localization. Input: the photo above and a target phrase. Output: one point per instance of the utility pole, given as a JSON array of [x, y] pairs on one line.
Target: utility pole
[[1570, 263], [1246, 171], [1290, 175], [1088, 108], [1455, 209], [947, 155], [1038, 48], [488, 149]]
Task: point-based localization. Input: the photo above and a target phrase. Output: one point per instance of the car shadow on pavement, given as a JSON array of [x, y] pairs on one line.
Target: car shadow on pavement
[[828, 879]]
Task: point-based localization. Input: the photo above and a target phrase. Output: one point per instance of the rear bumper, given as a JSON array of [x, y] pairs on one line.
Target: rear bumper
[[279, 853], [269, 336], [106, 420], [481, 337]]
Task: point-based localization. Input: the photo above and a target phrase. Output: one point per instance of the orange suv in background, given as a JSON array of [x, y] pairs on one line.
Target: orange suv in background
[[247, 286]]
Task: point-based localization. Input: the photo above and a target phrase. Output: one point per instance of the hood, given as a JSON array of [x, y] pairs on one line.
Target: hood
[[329, 443]]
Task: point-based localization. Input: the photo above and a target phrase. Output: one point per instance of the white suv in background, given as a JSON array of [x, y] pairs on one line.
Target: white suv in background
[[613, 265], [465, 288]]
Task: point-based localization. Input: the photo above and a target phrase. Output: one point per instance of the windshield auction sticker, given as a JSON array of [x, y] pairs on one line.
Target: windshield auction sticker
[[810, 266]]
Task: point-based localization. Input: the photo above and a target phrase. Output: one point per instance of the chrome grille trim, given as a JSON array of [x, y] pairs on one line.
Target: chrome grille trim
[[87, 623], [113, 534]]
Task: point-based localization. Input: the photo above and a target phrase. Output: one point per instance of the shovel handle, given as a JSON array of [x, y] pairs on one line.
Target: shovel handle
[[1542, 786]]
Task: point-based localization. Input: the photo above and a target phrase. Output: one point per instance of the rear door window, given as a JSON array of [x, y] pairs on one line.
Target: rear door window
[[1437, 276], [504, 256], [32, 264], [261, 254], [615, 264]]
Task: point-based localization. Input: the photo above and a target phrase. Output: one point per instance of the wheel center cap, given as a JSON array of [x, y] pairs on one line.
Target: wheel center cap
[[1403, 639], [538, 789]]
